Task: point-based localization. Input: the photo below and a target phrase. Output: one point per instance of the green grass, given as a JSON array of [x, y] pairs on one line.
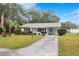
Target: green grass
[[18, 41], [69, 45]]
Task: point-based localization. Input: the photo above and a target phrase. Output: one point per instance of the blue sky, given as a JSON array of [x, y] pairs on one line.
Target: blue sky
[[66, 11]]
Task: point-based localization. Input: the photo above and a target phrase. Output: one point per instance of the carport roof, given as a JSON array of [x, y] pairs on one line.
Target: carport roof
[[41, 25]]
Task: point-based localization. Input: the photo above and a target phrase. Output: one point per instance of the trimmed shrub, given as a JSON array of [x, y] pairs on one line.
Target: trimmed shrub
[[17, 31], [1, 30], [30, 33], [62, 31], [24, 33], [43, 33], [34, 33]]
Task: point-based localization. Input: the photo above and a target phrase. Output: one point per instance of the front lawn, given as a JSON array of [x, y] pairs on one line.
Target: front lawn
[[69, 45], [18, 41]]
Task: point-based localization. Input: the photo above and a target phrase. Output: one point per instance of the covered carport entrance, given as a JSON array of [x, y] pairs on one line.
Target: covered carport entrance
[[51, 31]]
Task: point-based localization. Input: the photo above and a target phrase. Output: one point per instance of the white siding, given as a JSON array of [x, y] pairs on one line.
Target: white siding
[[73, 31]]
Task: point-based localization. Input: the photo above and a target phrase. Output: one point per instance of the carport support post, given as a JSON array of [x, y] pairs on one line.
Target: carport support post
[[32, 32], [56, 31], [46, 31]]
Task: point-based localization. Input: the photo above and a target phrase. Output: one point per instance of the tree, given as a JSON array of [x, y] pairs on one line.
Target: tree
[[12, 12], [68, 25], [38, 16], [11, 25]]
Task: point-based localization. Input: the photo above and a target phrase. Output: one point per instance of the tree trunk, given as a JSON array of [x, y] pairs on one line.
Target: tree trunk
[[4, 34], [9, 31]]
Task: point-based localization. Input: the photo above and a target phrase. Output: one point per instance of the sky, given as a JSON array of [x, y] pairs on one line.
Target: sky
[[65, 11]]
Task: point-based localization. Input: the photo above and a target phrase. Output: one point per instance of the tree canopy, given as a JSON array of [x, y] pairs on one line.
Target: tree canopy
[[40, 16], [15, 11], [69, 25]]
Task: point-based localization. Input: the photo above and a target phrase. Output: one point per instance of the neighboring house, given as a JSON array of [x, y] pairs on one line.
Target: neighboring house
[[73, 31], [41, 28]]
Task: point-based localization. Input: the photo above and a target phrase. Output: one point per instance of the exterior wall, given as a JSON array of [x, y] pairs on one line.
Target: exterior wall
[[48, 32]]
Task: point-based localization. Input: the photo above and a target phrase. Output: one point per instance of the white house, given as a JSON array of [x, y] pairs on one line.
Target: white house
[[40, 28], [73, 31]]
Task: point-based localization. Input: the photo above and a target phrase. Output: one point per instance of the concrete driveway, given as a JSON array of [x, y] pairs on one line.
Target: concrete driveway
[[47, 46]]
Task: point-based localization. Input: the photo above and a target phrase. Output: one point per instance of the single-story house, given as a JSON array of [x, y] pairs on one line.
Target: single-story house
[[74, 31], [41, 28]]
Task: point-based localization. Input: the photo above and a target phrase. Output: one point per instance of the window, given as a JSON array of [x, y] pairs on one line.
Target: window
[[27, 29], [41, 29]]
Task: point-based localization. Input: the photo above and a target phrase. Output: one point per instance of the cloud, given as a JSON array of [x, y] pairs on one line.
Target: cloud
[[76, 16], [29, 5], [74, 12], [73, 16]]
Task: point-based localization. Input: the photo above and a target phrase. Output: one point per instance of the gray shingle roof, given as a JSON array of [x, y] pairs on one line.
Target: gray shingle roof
[[41, 25]]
